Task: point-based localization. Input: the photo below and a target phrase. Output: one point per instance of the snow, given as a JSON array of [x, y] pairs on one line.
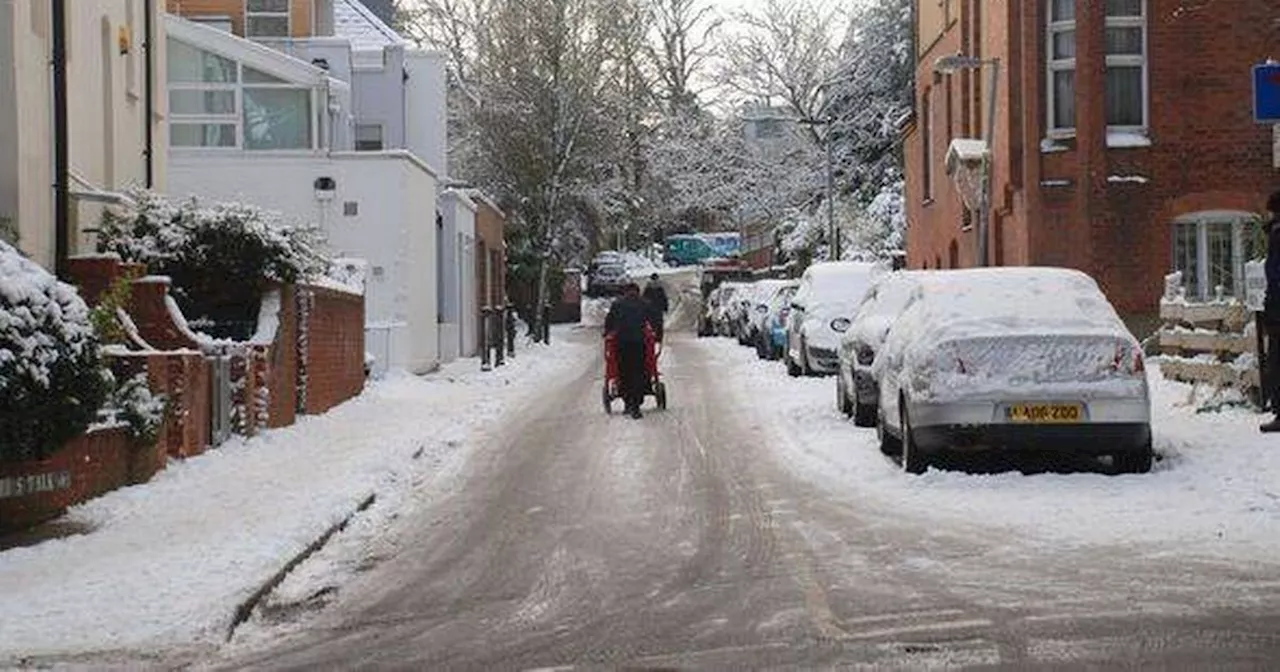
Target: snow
[[1127, 140], [167, 562], [1213, 494], [268, 319], [1121, 179], [984, 331], [38, 316], [966, 150], [892, 293]]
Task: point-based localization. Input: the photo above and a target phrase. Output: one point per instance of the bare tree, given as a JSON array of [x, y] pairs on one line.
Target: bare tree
[[785, 54], [450, 26], [684, 31]]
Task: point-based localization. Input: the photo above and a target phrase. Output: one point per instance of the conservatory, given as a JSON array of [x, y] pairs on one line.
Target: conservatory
[[226, 93]]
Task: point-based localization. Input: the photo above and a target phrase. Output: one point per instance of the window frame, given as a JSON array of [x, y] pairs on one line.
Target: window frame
[[287, 14], [1139, 61], [1241, 226], [1053, 66], [382, 136]]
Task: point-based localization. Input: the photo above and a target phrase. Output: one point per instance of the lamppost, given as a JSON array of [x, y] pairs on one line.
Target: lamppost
[[834, 235], [948, 65]]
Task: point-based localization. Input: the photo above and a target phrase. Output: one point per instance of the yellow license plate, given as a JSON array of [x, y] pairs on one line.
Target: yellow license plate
[[1044, 413]]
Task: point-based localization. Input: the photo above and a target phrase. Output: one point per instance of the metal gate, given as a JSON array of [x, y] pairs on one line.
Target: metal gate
[[219, 399]]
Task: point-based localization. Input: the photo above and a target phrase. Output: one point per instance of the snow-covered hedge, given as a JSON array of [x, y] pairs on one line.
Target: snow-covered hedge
[[51, 379], [220, 257]]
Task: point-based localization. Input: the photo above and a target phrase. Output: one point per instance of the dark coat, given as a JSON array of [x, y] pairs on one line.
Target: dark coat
[[627, 318], [657, 297], [1271, 309]]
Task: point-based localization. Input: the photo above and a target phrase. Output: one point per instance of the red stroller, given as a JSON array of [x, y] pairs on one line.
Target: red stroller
[[612, 375]]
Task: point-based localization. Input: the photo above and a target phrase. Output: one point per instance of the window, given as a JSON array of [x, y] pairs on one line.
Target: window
[[266, 18], [1126, 78], [217, 102], [1126, 65], [368, 137], [1060, 80], [1210, 249], [222, 23]]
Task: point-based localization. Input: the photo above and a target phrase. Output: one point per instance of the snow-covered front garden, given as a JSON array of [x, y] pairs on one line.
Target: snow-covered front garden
[[1215, 490]]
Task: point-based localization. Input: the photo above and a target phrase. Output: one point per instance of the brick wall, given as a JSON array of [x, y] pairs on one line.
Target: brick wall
[[1061, 208], [89, 465], [335, 348], [300, 18]]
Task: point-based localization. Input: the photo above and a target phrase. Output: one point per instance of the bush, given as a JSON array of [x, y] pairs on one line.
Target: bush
[[220, 257], [132, 402], [51, 379]]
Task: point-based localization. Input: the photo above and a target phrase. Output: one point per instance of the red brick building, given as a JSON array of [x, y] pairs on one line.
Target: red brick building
[[1125, 144]]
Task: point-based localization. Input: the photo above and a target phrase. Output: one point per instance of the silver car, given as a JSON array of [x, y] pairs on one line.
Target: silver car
[[857, 394], [1025, 359], [821, 310]]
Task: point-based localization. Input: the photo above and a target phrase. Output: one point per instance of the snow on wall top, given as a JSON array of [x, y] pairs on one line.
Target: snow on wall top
[[353, 21]]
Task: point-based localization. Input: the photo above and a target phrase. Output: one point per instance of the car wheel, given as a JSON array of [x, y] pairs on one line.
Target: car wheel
[[793, 369], [1134, 461], [889, 444], [913, 461], [864, 415], [805, 369], [842, 398], [761, 353]]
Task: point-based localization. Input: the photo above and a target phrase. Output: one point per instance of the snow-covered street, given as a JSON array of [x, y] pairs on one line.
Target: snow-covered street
[[1216, 492], [165, 565], [751, 526]]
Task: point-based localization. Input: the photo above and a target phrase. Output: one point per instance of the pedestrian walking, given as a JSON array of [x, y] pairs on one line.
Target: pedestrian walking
[[627, 319], [1271, 311], [656, 296]]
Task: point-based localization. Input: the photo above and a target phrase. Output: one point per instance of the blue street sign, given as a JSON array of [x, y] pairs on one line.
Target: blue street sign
[[1266, 93]]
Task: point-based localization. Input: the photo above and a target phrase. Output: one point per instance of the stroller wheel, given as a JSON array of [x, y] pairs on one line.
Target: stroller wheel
[[661, 393]]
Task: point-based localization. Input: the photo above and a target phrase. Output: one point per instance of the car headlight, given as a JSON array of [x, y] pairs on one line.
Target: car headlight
[[762, 309], [841, 324], [866, 355]]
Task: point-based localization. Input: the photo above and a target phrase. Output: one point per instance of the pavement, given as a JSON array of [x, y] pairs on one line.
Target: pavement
[[578, 540]]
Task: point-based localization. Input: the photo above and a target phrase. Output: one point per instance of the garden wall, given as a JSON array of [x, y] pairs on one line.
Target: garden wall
[[91, 464]]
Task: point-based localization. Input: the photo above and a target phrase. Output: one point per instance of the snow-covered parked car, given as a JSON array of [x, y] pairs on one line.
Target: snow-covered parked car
[[1030, 359], [822, 309], [774, 342], [722, 309], [764, 307], [857, 394]]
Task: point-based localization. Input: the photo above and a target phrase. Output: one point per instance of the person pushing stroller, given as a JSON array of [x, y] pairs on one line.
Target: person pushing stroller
[[627, 319]]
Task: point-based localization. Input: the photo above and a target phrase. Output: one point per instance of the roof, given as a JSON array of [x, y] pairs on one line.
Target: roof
[[357, 23], [265, 59]]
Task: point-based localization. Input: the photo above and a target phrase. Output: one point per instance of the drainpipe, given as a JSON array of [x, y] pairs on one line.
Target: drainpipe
[[61, 155], [149, 72]]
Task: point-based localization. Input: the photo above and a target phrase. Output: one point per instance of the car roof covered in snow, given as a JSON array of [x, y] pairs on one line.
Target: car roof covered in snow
[[1014, 301]]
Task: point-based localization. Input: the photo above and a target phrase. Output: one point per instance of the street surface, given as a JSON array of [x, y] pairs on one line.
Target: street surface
[[683, 540]]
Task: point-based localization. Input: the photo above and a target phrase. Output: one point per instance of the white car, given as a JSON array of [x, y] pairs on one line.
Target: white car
[[821, 310], [1022, 359], [857, 394]]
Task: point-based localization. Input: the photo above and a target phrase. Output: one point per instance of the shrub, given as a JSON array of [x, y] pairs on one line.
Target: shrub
[[132, 402], [220, 257], [51, 379]]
